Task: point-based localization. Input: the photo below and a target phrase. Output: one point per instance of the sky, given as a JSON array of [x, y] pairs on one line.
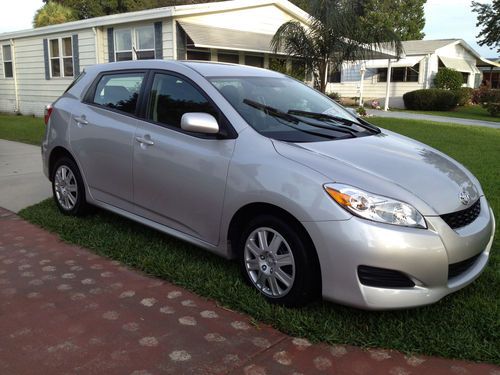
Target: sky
[[444, 19]]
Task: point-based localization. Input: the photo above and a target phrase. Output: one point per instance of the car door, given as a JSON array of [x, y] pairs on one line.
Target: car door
[[102, 135], [180, 177]]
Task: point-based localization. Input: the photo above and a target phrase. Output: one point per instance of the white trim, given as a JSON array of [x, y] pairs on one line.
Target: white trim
[[134, 41]]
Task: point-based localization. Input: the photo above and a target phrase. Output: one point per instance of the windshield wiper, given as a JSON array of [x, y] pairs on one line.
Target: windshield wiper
[[327, 117], [291, 118]]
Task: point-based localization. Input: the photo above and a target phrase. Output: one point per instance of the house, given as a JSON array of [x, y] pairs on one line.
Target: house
[[378, 79], [37, 65]]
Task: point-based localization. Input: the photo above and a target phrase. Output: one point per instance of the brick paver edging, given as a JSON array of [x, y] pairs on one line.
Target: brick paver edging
[[65, 310]]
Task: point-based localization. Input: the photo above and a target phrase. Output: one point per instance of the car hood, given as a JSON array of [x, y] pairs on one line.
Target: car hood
[[391, 165]]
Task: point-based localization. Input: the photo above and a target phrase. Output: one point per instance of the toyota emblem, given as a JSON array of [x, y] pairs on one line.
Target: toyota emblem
[[464, 198]]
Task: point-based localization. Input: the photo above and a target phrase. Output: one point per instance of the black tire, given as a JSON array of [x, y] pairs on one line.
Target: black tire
[[80, 206], [306, 285]]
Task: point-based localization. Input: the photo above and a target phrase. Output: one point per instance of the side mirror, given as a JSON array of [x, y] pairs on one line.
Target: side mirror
[[198, 122]]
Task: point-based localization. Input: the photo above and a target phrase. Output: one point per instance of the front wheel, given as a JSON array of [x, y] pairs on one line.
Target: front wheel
[[68, 188], [278, 261]]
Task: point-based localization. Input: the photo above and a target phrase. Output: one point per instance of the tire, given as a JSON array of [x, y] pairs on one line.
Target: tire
[[295, 282], [68, 188]]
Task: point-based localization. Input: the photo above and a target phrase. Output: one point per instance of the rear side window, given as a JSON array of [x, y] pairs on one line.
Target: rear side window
[[171, 97], [119, 91]]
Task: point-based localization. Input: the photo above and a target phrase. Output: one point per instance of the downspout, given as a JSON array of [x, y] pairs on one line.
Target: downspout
[[14, 71], [96, 46]]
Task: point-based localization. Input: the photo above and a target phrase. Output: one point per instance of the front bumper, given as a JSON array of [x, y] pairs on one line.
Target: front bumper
[[423, 255]]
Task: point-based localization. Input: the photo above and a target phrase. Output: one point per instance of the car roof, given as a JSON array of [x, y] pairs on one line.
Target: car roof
[[205, 68]]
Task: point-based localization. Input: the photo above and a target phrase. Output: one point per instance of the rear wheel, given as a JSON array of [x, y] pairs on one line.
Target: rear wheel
[[276, 260], [68, 188]]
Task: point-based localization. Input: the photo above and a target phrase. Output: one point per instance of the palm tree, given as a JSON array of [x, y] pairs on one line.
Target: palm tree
[[333, 35], [53, 13]]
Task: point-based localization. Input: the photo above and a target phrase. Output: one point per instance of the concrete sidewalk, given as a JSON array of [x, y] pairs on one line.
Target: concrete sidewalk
[[65, 310], [418, 116], [22, 182]]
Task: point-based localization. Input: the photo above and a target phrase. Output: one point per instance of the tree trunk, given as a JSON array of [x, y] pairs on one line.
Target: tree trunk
[[322, 75]]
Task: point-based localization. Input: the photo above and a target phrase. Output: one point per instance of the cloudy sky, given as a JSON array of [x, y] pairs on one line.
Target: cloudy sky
[[444, 19]]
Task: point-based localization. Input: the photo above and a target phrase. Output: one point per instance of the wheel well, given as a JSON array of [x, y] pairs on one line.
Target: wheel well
[[55, 155], [249, 211]]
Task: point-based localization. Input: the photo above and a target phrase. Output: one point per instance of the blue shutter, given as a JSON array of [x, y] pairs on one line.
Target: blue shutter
[[159, 40], [76, 55], [46, 58], [111, 45]]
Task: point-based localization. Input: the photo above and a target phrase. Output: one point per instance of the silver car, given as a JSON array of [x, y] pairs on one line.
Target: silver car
[[255, 166]]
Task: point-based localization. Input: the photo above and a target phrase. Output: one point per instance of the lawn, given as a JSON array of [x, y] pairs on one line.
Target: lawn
[[24, 129], [472, 112], [464, 325]]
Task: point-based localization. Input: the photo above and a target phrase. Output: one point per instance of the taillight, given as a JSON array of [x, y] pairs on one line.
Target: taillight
[[48, 112]]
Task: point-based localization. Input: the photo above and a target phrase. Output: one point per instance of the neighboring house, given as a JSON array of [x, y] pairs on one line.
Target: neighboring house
[[491, 74], [416, 70], [37, 65]]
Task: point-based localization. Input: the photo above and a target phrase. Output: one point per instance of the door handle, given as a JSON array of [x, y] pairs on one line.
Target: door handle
[[81, 121], [145, 141]]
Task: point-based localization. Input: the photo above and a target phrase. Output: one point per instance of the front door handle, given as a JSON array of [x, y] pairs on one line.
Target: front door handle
[[145, 141], [81, 121]]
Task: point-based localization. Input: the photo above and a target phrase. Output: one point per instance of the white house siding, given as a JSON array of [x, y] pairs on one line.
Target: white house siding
[[7, 93], [34, 90]]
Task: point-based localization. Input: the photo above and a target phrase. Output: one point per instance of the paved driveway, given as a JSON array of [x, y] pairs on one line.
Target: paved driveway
[[421, 116], [22, 182]]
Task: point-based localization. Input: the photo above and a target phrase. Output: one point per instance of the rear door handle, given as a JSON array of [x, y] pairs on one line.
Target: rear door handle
[[145, 141], [81, 121]]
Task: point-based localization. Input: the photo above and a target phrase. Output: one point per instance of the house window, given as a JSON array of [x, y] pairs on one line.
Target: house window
[[61, 57], [200, 55], [252, 60], [465, 78], [228, 58], [7, 61], [334, 75], [135, 44], [402, 74]]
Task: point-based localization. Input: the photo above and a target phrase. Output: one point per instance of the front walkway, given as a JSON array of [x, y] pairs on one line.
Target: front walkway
[[65, 310], [419, 116], [22, 182]]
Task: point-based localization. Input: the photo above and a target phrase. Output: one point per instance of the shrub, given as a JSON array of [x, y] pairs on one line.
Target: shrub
[[448, 79], [464, 95], [490, 100], [430, 100], [361, 111], [334, 96]]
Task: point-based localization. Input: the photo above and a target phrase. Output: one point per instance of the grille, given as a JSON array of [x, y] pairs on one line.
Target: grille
[[383, 278], [462, 218], [456, 269]]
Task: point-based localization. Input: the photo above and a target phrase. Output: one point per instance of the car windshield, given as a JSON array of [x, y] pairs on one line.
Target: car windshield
[[285, 109]]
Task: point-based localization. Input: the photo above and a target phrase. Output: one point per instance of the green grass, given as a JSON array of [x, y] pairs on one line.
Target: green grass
[[472, 112], [464, 325], [24, 129]]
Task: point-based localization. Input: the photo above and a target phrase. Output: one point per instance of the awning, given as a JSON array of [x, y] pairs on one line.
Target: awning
[[460, 65], [407, 61], [227, 39]]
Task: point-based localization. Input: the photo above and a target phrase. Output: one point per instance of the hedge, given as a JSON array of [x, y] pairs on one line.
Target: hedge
[[430, 100]]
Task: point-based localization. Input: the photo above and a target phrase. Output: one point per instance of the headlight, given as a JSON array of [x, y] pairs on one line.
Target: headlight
[[375, 207]]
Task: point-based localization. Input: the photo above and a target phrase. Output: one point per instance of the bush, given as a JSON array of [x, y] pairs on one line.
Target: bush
[[430, 100], [448, 79], [464, 95], [361, 111], [490, 99], [334, 96]]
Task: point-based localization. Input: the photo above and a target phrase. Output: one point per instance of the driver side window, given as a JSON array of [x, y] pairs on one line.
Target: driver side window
[[171, 97]]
